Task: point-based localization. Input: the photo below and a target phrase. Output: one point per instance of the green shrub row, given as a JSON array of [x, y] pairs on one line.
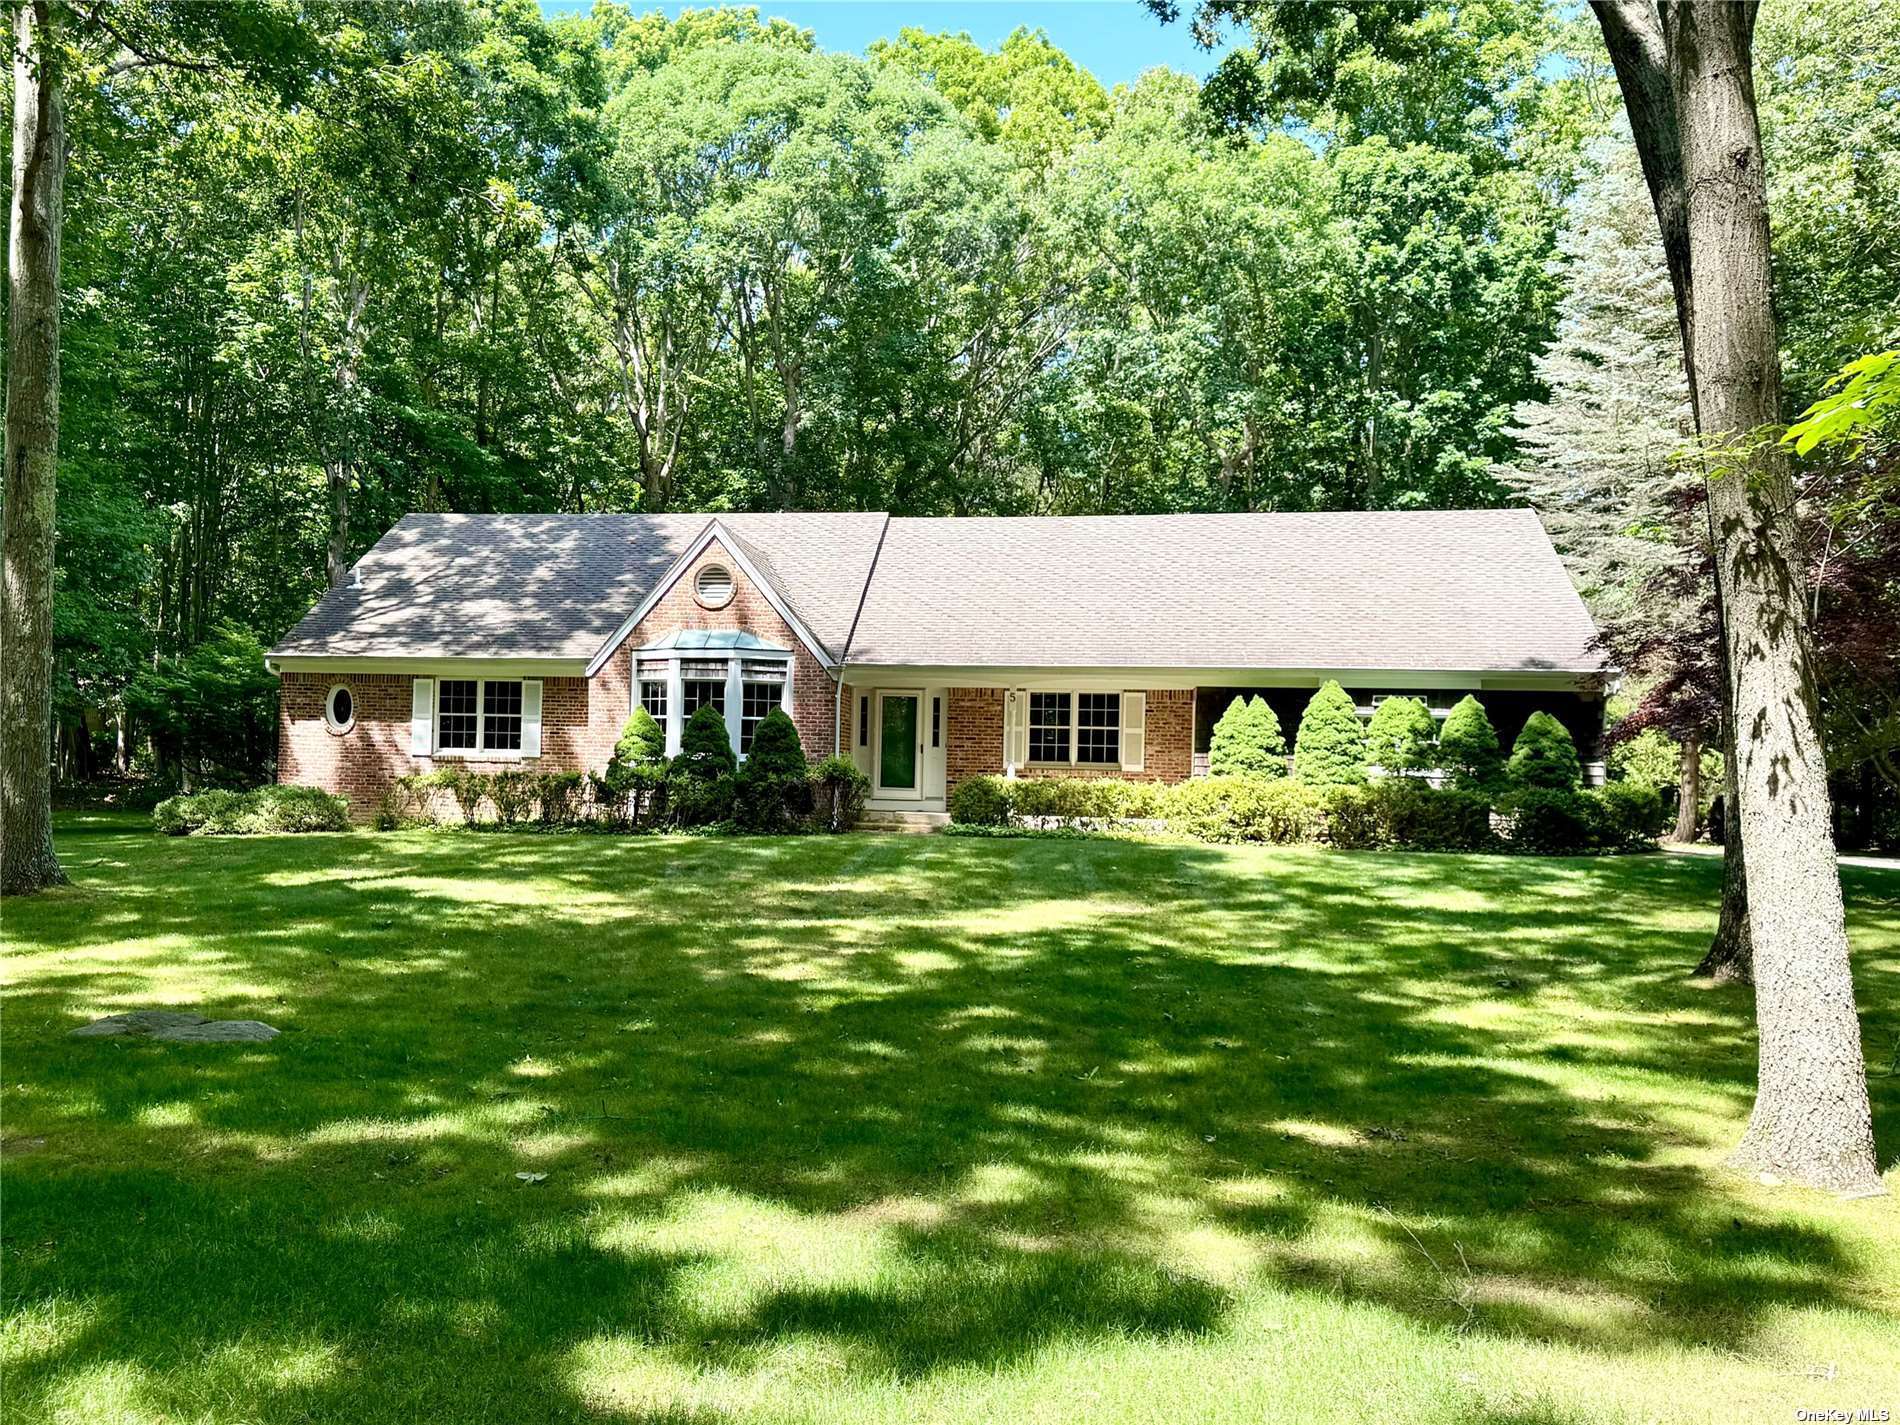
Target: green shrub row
[[1553, 821], [262, 810], [705, 786], [1334, 749], [1398, 812]]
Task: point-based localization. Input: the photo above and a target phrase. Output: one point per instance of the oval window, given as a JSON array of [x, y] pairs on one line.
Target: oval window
[[713, 586], [339, 709]]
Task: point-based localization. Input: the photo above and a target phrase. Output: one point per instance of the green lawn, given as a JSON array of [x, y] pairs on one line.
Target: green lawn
[[905, 1129]]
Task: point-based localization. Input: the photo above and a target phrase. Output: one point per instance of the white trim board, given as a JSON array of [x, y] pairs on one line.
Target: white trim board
[[478, 666], [1095, 679], [713, 531]]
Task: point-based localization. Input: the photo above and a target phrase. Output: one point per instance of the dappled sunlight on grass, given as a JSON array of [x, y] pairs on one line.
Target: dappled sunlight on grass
[[908, 1128]]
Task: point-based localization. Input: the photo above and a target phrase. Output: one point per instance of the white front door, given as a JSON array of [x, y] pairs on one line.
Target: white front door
[[897, 748]]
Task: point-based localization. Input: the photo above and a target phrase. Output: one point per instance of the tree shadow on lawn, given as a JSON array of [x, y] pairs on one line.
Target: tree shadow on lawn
[[932, 1103]]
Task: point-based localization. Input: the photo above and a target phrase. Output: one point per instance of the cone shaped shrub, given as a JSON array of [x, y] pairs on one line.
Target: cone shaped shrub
[[1544, 756], [641, 740], [705, 747], [776, 750], [1247, 741], [1402, 736], [1331, 749], [1468, 748], [772, 791]]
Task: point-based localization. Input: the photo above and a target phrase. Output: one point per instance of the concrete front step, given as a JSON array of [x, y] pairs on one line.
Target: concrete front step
[[887, 819]]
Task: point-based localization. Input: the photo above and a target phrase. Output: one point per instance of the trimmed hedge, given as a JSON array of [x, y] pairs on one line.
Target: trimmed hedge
[[1552, 821], [980, 801], [1399, 813], [1419, 817], [1229, 809], [262, 811], [1055, 801]]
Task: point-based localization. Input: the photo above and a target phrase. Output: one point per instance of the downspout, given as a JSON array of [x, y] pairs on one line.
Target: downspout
[[837, 676]]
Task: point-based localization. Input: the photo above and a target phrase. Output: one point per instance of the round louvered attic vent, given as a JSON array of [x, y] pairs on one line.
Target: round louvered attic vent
[[712, 586]]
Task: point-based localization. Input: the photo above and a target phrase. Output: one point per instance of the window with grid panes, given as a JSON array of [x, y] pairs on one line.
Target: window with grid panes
[[1048, 727], [1098, 728]]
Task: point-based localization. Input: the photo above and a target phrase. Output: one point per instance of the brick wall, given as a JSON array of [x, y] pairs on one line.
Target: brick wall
[[748, 612], [975, 739], [580, 718], [973, 742], [361, 763]]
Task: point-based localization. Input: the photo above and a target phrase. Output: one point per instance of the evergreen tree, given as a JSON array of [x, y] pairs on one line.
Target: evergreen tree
[[705, 746], [1597, 454], [1468, 748], [642, 740], [773, 789], [1402, 736], [1544, 755], [1331, 748], [1247, 741]]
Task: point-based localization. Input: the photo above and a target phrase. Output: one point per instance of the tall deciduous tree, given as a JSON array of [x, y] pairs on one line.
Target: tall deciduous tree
[[27, 859], [1687, 79]]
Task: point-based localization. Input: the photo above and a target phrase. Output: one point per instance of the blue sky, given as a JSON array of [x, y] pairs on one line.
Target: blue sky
[[1116, 39]]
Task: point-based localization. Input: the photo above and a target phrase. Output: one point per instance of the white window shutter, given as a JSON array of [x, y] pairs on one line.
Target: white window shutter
[[422, 717], [1015, 728], [1134, 731], [531, 717]]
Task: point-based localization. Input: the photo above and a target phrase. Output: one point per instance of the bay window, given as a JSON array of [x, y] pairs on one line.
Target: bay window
[[702, 683], [762, 688], [734, 673], [654, 676]]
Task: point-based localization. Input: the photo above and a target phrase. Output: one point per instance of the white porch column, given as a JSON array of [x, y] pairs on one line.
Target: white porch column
[[675, 696], [734, 677]]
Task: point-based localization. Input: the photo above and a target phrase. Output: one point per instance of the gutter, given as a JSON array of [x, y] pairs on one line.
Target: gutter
[[837, 676]]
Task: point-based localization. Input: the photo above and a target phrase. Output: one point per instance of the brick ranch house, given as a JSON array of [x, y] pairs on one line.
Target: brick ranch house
[[928, 650]]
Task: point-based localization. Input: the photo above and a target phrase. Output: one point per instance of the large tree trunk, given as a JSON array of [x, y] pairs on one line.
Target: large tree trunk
[[1689, 788], [1730, 955], [1811, 1121], [27, 861], [1684, 69]]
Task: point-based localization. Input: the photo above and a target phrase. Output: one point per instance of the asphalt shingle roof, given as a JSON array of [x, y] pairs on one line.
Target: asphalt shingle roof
[[1453, 591], [1463, 590], [557, 586]]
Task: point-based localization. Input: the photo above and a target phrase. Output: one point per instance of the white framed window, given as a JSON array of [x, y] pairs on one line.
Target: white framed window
[[501, 715], [655, 674], [761, 688], [1098, 729], [484, 715], [702, 683], [339, 710], [458, 719], [1076, 729], [1050, 726]]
